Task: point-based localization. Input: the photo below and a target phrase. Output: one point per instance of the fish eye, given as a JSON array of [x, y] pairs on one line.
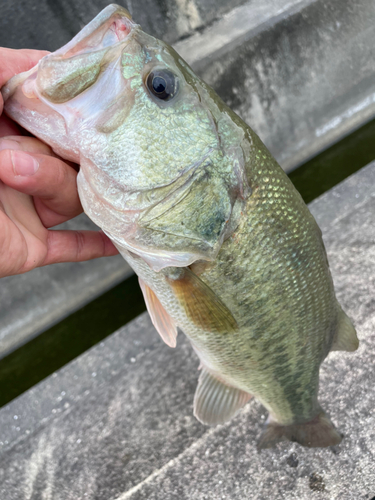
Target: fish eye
[[162, 84]]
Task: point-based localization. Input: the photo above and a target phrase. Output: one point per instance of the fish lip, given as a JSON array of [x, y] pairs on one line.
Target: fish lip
[[8, 89], [94, 36], [101, 24], [18, 80]]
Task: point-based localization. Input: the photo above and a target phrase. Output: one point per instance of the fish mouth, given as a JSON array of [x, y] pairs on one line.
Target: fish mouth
[[111, 26], [109, 29], [33, 98]]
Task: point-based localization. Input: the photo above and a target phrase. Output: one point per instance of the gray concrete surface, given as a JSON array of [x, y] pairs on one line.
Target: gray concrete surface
[[117, 423], [46, 24], [300, 72]]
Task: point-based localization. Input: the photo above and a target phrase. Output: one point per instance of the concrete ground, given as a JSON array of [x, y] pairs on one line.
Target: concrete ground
[[117, 422]]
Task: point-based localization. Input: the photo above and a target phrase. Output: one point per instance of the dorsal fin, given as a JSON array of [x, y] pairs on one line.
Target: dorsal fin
[[161, 320], [201, 304], [216, 402]]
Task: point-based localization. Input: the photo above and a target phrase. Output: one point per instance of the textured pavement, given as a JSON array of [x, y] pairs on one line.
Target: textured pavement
[[117, 422]]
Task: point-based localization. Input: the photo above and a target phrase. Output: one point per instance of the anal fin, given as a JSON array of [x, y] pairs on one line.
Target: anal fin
[[216, 402], [346, 337], [161, 320]]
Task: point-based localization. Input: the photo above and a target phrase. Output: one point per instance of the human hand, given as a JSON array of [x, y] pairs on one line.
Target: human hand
[[38, 190]]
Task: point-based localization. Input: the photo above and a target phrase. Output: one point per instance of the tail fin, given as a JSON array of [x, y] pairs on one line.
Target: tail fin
[[318, 433]]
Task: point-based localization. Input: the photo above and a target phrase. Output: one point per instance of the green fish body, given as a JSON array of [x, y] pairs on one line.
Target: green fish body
[[224, 246]]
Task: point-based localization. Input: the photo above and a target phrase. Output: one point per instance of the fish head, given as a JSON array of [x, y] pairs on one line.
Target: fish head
[[161, 161]]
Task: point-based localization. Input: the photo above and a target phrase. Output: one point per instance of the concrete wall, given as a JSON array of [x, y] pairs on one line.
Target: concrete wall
[[48, 24]]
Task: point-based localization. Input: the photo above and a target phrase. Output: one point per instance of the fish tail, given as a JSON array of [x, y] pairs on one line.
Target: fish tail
[[317, 433]]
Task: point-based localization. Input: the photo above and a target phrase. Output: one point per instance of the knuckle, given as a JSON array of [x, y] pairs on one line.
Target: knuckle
[[35, 258], [80, 243], [52, 179], [60, 173]]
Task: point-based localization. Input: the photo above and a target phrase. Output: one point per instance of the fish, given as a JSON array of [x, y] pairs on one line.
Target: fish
[[225, 249]]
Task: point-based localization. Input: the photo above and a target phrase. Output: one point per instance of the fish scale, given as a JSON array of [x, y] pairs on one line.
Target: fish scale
[[224, 246]]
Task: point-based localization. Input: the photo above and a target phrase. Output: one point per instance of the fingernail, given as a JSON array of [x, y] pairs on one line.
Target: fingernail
[[23, 164], [9, 144]]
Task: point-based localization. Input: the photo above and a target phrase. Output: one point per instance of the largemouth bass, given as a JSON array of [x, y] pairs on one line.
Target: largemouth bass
[[224, 246]]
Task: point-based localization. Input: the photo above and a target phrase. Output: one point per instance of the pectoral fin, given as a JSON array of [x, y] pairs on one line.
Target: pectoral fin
[[202, 306], [216, 402], [161, 320]]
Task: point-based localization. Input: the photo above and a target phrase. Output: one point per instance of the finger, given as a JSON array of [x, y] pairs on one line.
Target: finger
[[48, 216], [8, 127], [30, 144], [77, 246], [24, 143], [16, 61], [51, 181]]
